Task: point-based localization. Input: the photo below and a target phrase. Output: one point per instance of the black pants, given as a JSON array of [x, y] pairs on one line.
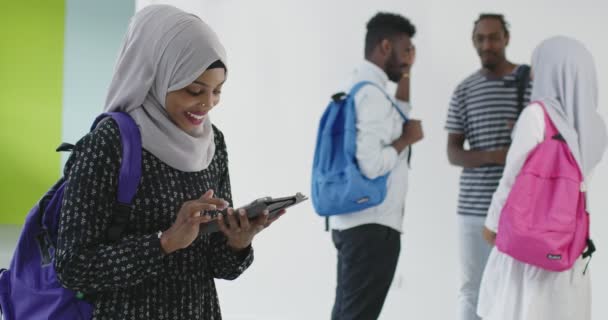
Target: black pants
[[367, 258]]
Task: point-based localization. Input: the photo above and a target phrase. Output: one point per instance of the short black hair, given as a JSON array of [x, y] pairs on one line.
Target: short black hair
[[386, 25], [496, 16]]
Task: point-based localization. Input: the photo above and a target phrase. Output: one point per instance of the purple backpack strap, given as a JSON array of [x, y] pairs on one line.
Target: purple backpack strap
[[130, 170]]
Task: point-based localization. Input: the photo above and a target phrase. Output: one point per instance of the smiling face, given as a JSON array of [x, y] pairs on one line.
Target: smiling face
[[189, 106]]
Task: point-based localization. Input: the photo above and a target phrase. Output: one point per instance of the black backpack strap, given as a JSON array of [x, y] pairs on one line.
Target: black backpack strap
[[588, 253], [65, 147], [130, 171], [590, 249], [522, 78], [409, 157]]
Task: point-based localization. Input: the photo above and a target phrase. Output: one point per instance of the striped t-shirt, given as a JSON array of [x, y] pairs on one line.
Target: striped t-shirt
[[479, 109]]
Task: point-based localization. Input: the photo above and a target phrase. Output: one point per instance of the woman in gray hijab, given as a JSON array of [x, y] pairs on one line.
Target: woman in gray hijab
[[564, 80], [168, 77]]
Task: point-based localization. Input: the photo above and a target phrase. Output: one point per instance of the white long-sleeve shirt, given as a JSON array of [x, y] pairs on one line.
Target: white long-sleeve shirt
[[378, 125]]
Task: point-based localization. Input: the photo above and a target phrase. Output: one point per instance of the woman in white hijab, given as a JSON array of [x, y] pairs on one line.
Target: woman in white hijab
[[168, 77], [565, 82]]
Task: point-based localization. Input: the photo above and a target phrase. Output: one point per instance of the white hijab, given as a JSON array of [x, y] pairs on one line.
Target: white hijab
[[564, 79], [165, 49]]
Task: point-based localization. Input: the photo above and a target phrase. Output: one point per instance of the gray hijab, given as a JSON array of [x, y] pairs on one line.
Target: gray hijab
[[165, 49], [565, 81]]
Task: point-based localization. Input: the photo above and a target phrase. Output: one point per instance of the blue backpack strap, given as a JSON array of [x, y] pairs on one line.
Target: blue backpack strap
[[130, 170], [359, 85]]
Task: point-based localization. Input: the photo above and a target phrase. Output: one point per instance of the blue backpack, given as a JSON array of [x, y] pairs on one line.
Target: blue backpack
[[338, 186], [30, 288]]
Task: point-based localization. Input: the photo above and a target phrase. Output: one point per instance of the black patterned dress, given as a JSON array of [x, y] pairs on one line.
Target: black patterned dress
[[132, 278]]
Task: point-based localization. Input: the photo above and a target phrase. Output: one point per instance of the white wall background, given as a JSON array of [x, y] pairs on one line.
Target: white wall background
[[93, 34], [285, 59]]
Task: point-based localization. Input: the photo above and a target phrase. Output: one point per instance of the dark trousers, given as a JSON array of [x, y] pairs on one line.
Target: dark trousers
[[367, 258]]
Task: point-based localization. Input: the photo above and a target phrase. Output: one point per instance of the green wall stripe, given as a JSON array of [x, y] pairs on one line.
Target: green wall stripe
[[31, 71]]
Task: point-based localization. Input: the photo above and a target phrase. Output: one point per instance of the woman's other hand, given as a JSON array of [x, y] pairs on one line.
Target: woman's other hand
[[489, 236], [240, 231]]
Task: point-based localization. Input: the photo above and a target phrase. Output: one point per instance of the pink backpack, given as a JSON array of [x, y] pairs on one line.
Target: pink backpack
[[544, 221]]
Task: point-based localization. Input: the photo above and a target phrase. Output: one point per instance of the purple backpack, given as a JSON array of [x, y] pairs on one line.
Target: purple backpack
[[30, 288], [544, 221]]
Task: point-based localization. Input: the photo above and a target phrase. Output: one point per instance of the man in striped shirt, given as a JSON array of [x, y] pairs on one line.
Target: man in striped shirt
[[482, 111]]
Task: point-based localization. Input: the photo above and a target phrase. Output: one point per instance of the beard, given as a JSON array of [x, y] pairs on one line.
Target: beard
[[490, 65], [490, 61], [393, 68]]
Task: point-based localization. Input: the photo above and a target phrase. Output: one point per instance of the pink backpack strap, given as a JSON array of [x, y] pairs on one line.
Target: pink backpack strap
[[550, 129]]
